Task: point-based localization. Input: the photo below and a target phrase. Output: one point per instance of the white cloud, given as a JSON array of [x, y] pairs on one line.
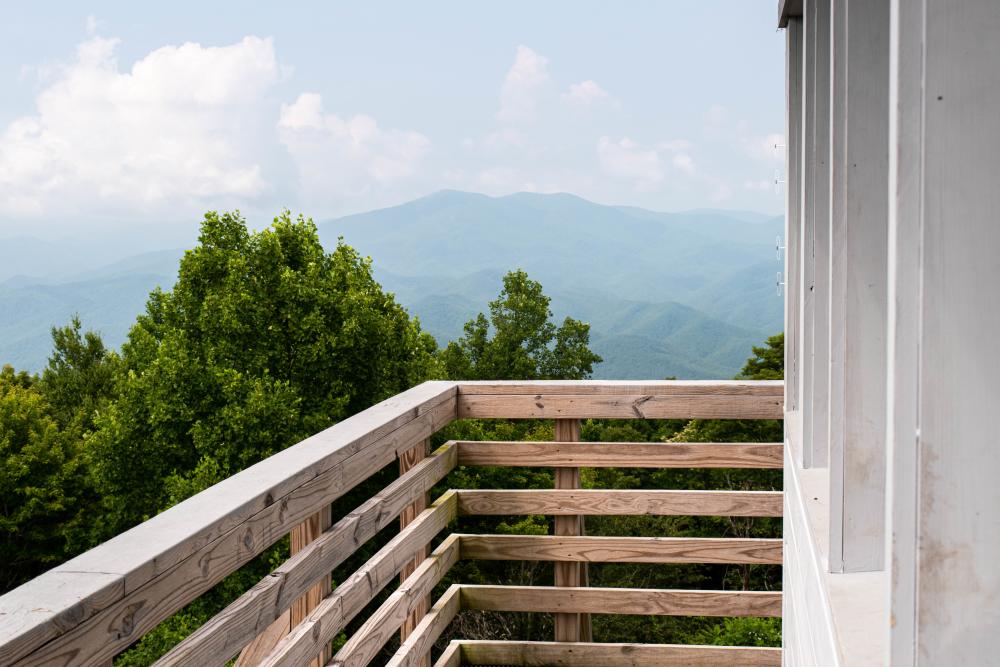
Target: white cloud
[[628, 160], [525, 79], [503, 140], [341, 157], [757, 185], [769, 148], [676, 145], [683, 162], [721, 192], [587, 94], [173, 132]]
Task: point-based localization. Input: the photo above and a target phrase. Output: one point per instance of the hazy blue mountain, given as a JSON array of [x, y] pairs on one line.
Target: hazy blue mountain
[[569, 243], [108, 304], [667, 294]]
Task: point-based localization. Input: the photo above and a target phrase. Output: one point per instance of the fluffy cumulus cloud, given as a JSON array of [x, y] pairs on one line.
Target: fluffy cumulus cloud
[[342, 158], [168, 133], [589, 94], [521, 87]]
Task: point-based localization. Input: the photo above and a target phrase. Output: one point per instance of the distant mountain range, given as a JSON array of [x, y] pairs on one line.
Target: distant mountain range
[[667, 294]]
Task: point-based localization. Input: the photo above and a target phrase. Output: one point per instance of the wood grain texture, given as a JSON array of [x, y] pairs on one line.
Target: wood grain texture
[[300, 537], [619, 406], [407, 460], [622, 549], [366, 642], [350, 597], [250, 614], [451, 656], [164, 563], [624, 387], [559, 654], [620, 454], [569, 627], [633, 601], [419, 644], [601, 502]]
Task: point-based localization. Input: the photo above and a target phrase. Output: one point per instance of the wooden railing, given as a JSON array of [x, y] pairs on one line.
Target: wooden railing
[[95, 606]]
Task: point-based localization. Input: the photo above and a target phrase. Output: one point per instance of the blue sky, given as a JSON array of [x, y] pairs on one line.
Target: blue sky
[[139, 113]]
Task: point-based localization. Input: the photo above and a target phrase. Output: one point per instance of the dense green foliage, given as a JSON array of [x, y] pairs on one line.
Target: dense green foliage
[[525, 344], [265, 339]]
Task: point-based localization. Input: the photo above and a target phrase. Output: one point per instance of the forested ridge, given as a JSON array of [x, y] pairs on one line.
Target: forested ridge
[[266, 339]]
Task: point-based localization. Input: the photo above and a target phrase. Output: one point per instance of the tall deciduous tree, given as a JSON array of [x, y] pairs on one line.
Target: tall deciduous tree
[[519, 341], [42, 482], [79, 376], [264, 339]]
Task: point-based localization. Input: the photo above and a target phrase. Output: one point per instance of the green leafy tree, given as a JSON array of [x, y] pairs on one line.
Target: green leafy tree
[[264, 340], [79, 377], [42, 482], [519, 342]]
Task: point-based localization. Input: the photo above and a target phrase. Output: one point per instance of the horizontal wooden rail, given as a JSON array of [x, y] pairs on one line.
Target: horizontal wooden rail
[[308, 638], [666, 400], [623, 387], [451, 656], [428, 630], [634, 601], [620, 454], [568, 654], [388, 618], [250, 614], [361, 648], [622, 549], [556, 502], [89, 609]]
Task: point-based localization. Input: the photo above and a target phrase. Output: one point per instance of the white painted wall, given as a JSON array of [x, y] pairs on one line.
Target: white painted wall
[[946, 232], [914, 336]]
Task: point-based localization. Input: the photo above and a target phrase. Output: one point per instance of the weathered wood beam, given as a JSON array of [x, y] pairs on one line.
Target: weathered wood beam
[[619, 503], [366, 642], [624, 387], [94, 606], [407, 460], [252, 613], [451, 656], [569, 627], [620, 406], [620, 454], [304, 533], [560, 654], [419, 644], [350, 597], [633, 601], [622, 549]]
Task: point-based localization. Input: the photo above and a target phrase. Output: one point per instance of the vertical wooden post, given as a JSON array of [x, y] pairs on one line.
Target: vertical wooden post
[[301, 535], [570, 627], [407, 460]]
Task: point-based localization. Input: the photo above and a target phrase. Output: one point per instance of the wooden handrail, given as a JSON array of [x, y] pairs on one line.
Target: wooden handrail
[[634, 601], [91, 608], [94, 606], [586, 549], [621, 454], [594, 502], [246, 617], [349, 598], [520, 654]]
